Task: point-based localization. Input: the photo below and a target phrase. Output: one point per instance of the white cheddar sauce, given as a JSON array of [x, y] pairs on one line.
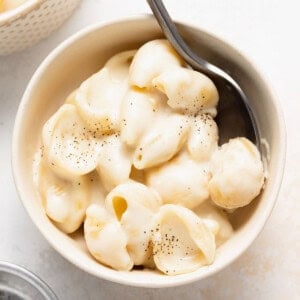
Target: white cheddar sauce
[[133, 154]]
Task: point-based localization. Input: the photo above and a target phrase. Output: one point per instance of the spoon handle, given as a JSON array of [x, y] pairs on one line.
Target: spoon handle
[[169, 29]]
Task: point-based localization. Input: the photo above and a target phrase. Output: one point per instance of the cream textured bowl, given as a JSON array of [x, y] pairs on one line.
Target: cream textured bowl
[[76, 59], [33, 20]]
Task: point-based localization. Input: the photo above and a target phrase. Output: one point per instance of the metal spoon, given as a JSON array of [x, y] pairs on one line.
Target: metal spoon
[[235, 117]]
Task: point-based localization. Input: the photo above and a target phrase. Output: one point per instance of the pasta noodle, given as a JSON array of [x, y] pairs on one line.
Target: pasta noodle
[[181, 181], [133, 154], [237, 174]]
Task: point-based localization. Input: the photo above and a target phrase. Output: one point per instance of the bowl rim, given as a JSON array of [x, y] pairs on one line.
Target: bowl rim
[[277, 179], [9, 16], [29, 277]]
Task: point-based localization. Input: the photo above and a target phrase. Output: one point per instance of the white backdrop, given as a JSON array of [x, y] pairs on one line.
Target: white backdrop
[[268, 31]]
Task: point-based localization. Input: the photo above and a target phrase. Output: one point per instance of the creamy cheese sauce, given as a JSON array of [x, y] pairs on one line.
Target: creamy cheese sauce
[[133, 154], [6, 5]]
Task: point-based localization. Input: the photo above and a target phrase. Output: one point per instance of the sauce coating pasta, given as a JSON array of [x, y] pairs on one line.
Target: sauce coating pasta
[[6, 5], [133, 154]]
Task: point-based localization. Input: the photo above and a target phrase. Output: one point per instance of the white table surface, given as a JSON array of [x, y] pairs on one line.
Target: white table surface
[[268, 31]]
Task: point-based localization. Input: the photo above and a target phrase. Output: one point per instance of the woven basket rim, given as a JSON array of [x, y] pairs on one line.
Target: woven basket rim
[[6, 18]]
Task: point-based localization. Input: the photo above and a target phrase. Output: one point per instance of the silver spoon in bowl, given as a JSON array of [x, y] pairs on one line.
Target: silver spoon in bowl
[[235, 117]]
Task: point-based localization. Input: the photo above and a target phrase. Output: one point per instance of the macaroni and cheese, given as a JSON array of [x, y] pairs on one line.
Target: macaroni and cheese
[[133, 155]]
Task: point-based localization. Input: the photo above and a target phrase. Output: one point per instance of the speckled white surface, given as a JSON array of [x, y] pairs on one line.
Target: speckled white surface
[[268, 32]]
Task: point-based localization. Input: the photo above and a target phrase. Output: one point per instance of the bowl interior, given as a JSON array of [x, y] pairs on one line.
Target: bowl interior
[[84, 54], [10, 15]]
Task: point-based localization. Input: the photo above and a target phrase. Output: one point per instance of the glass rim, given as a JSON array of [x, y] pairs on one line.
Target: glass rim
[[29, 277]]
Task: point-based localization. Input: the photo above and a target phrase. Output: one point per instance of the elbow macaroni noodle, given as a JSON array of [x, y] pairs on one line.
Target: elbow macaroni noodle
[[133, 154]]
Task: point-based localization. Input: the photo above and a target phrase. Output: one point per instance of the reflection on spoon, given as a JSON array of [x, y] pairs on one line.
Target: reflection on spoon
[[235, 117]]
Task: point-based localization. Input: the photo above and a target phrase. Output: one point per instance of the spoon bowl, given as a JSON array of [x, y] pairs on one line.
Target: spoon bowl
[[235, 117]]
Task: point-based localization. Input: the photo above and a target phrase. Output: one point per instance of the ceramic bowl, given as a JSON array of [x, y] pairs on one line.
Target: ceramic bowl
[[33, 20], [83, 54]]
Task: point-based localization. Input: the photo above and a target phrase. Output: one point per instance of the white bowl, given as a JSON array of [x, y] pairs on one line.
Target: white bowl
[[33, 20], [76, 59]]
